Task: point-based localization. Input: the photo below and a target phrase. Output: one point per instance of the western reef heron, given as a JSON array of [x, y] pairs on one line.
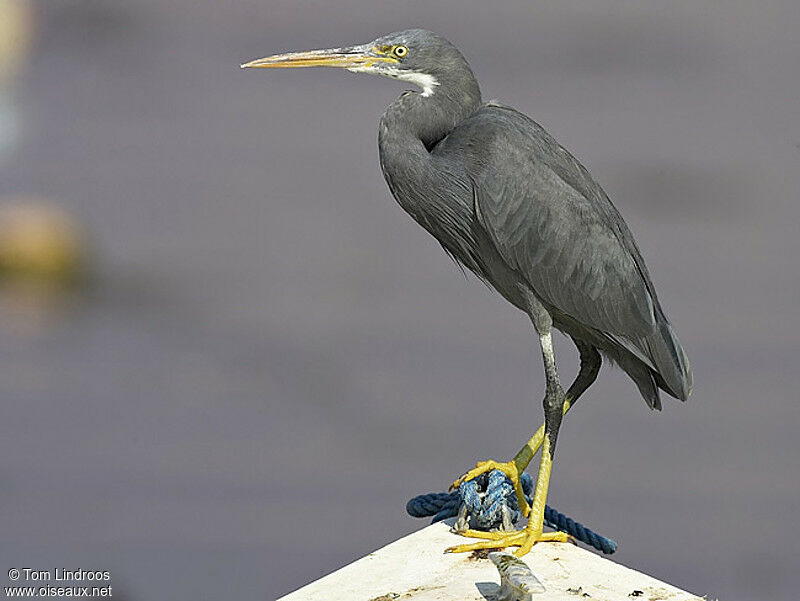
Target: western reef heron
[[510, 204]]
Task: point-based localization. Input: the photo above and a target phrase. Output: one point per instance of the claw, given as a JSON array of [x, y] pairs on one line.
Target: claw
[[523, 539], [483, 534]]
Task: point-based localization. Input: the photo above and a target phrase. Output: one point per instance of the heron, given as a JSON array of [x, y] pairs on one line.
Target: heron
[[511, 205]]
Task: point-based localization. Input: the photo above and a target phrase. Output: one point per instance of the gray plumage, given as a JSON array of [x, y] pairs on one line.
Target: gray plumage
[[507, 202], [510, 204]]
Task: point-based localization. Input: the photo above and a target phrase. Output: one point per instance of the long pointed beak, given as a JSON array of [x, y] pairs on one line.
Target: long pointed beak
[[353, 57]]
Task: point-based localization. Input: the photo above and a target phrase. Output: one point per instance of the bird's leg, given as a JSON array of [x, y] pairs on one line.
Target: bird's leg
[[554, 401], [590, 367]]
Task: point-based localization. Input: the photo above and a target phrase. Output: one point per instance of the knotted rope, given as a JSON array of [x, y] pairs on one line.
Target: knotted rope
[[489, 502]]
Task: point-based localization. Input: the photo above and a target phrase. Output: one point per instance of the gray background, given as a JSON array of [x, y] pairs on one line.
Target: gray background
[[274, 357]]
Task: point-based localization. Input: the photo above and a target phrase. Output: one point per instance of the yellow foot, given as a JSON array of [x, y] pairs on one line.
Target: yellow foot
[[509, 468], [524, 539]]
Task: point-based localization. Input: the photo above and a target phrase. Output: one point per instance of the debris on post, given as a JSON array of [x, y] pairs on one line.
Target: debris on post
[[517, 582]]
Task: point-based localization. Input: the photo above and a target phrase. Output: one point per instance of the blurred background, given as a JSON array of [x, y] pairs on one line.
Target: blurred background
[[227, 358]]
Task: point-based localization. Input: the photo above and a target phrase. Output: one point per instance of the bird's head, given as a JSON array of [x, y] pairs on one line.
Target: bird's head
[[415, 55]]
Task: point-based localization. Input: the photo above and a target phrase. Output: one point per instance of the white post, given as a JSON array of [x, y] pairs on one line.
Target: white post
[[415, 568]]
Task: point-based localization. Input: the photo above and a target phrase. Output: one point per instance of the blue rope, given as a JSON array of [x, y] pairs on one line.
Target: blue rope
[[485, 497]]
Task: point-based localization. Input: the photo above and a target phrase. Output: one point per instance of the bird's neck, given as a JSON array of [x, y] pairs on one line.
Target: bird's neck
[[415, 118], [420, 180]]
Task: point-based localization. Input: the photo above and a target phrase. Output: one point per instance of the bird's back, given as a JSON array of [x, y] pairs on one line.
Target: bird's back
[[554, 225]]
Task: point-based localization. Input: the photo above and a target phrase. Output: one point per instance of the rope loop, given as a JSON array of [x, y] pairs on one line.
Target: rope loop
[[489, 502]]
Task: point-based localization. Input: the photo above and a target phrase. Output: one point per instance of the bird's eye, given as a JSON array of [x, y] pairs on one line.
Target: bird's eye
[[400, 51]]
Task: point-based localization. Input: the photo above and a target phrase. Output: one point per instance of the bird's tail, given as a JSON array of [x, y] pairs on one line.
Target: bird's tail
[[672, 372]]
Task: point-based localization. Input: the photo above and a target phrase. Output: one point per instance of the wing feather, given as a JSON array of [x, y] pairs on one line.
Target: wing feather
[[552, 223]]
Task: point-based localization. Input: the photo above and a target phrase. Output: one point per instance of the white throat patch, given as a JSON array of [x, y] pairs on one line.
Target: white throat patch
[[425, 81]]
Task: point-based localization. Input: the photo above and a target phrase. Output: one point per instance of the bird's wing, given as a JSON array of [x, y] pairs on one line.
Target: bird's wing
[[550, 221]]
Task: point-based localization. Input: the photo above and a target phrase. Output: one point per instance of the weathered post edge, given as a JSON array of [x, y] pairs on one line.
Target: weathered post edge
[[415, 568]]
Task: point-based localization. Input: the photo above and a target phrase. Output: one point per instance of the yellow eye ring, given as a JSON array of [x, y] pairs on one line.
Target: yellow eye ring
[[399, 51]]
